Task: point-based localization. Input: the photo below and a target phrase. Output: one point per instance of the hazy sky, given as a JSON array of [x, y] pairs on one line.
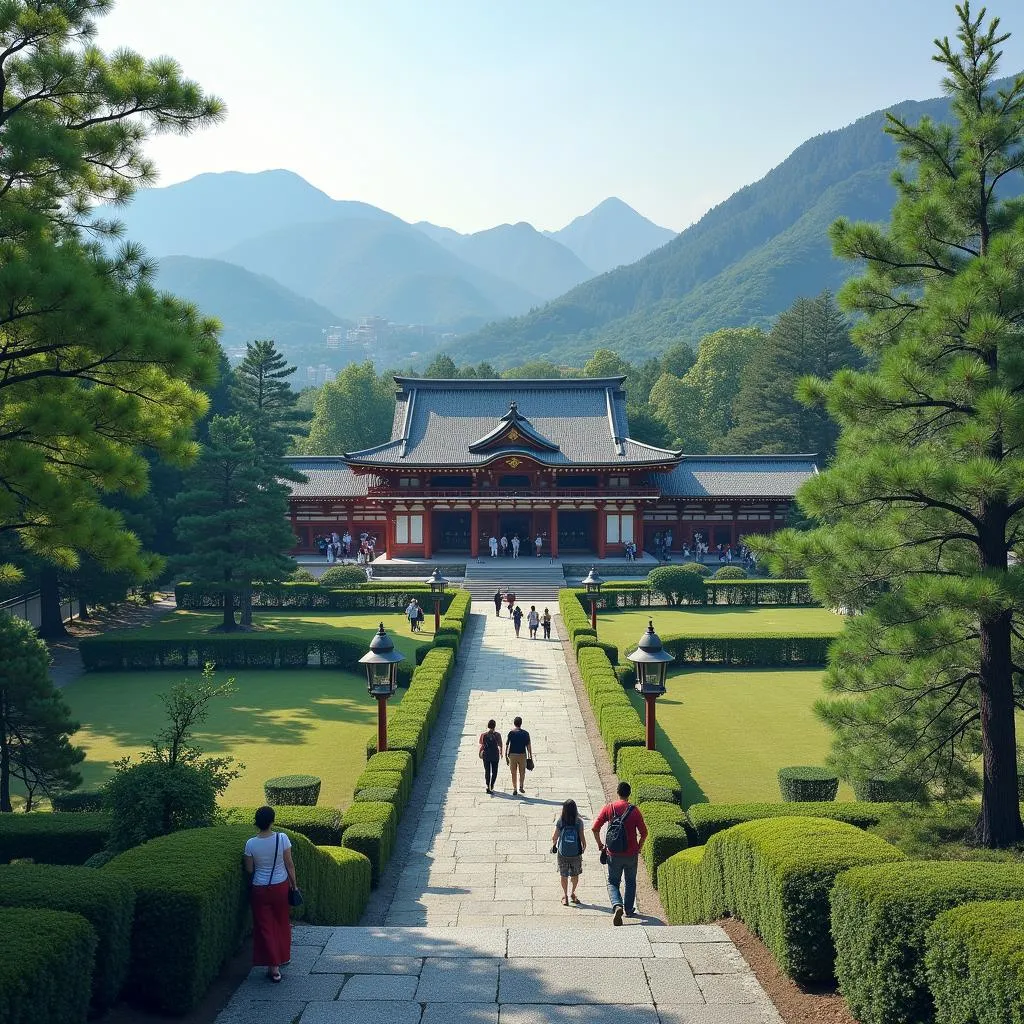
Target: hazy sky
[[470, 113]]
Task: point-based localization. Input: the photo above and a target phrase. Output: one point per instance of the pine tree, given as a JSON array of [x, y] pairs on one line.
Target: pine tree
[[924, 504], [811, 337], [35, 723], [261, 395], [233, 524]]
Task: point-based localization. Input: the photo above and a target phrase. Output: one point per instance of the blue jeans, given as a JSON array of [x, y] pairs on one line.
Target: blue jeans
[[619, 867]]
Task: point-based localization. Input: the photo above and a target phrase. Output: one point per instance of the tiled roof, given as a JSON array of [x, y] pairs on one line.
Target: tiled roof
[[436, 421], [327, 476], [735, 476]]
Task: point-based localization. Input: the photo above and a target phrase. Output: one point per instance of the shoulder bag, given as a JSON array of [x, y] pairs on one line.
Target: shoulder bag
[[294, 895]]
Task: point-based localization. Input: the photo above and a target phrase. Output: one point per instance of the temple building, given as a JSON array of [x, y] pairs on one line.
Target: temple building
[[471, 459]]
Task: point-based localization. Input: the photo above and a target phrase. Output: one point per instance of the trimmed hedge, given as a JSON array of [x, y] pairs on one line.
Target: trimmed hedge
[[617, 719], [657, 789], [347, 874], [378, 794], [747, 593], [191, 907], [46, 962], [292, 790], [342, 577], [454, 620], [611, 650], [574, 618], [808, 784], [983, 942], [226, 650], [309, 596], [678, 584], [775, 875], [320, 825], [370, 829], [79, 800], [53, 838], [880, 919], [753, 649], [708, 819], [107, 903], [634, 761], [390, 761], [666, 834]]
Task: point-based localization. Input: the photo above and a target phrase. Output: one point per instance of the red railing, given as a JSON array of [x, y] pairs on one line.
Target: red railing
[[545, 493]]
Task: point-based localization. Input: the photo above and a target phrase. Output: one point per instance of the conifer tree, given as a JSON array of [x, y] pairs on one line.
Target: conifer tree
[[233, 524], [261, 395], [924, 504]]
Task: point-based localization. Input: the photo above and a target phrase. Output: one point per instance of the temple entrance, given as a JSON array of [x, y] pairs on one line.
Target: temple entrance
[[512, 523], [450, 532], [577, 531]]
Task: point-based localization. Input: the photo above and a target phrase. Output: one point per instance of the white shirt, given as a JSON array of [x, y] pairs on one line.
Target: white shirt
[[261, 849]]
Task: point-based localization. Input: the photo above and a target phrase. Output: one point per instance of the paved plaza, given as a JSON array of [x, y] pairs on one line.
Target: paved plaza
[[475, 930]]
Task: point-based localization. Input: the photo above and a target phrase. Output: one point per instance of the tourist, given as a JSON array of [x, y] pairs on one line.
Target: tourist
[[510, 600], [504, 546], [346, 544], [569, 843], [517, 618], [538, 543], [490, 754], [518, 754], [533, 621], [330, 553], [419, 615], [361, 557], [412, 613], [545, 621], [668, 544], [268, 863], [515, 545], [368, 569], [622, 844], [492, 543], [497, 602]]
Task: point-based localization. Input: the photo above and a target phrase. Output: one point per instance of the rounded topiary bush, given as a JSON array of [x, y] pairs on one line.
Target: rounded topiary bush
[[698, 567], [884, 789], [808, 784], [677, 584], [730, 572], [343, 576], [298, 790], [80, 800], [301, 576]]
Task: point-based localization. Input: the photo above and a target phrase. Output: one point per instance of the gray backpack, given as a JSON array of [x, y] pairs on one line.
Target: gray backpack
[[568, 844]]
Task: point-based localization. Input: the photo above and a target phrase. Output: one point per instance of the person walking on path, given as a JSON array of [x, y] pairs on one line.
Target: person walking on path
[[268, 863], [510, 600], [504, 545], [623, 841], [538, 543], [492, 543], [497, 602], [533, 621], [518, 751], [490, 754], [545, 621], [412, 613], [517, 618], [515, 545], [569, 844]]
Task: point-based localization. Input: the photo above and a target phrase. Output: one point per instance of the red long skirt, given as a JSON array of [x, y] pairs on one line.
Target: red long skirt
[[271, 930]]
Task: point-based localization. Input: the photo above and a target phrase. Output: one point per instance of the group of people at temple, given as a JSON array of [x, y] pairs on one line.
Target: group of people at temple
[[534, 619], [339, 549], [510, 548]]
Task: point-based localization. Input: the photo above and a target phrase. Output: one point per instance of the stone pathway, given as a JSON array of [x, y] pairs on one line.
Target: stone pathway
[[475, 931]]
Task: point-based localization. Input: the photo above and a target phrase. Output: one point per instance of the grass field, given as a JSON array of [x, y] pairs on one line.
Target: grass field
[[349, 625], [624, 628], [278, 723], [727, 732]]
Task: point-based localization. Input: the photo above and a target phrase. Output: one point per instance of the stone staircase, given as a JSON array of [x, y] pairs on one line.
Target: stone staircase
[[533, 580]]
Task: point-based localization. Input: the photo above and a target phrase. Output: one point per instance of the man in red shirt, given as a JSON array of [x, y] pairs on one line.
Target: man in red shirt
[[624, 839]]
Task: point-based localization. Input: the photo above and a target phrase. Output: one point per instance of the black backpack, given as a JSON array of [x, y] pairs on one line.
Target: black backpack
[[490, 745], [615, 838]]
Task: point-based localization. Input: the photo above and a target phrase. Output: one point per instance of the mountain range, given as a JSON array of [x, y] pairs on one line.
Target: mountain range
[[314, 261], [742, 263]]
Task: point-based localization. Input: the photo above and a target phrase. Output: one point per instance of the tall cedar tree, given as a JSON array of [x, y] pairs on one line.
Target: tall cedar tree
[[233, 525], [922, 508], [267, 405], [811, 337], [96, 367], [35, 723]]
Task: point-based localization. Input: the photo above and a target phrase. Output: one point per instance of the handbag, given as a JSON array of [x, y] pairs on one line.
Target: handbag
[[529, 764], [294, 895]]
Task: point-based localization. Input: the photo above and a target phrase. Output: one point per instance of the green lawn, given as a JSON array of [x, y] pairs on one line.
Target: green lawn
[[727, 732], [624, 628], [349, 625], [279, 722]]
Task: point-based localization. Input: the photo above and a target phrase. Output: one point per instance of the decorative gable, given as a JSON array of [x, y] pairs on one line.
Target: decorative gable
[[513, 431]]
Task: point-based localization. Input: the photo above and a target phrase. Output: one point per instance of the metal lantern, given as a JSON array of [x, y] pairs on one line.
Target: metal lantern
[[381, 663], [437, 582], [651, 661], [593, 582]]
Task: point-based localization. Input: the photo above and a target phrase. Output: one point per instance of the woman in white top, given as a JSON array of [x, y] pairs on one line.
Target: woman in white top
[[268, 861]]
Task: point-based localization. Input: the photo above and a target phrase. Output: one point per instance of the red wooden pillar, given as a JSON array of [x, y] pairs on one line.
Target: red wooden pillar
[[554, 531], [602, 532], [428, 532], [474, 532], [650, 700]]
